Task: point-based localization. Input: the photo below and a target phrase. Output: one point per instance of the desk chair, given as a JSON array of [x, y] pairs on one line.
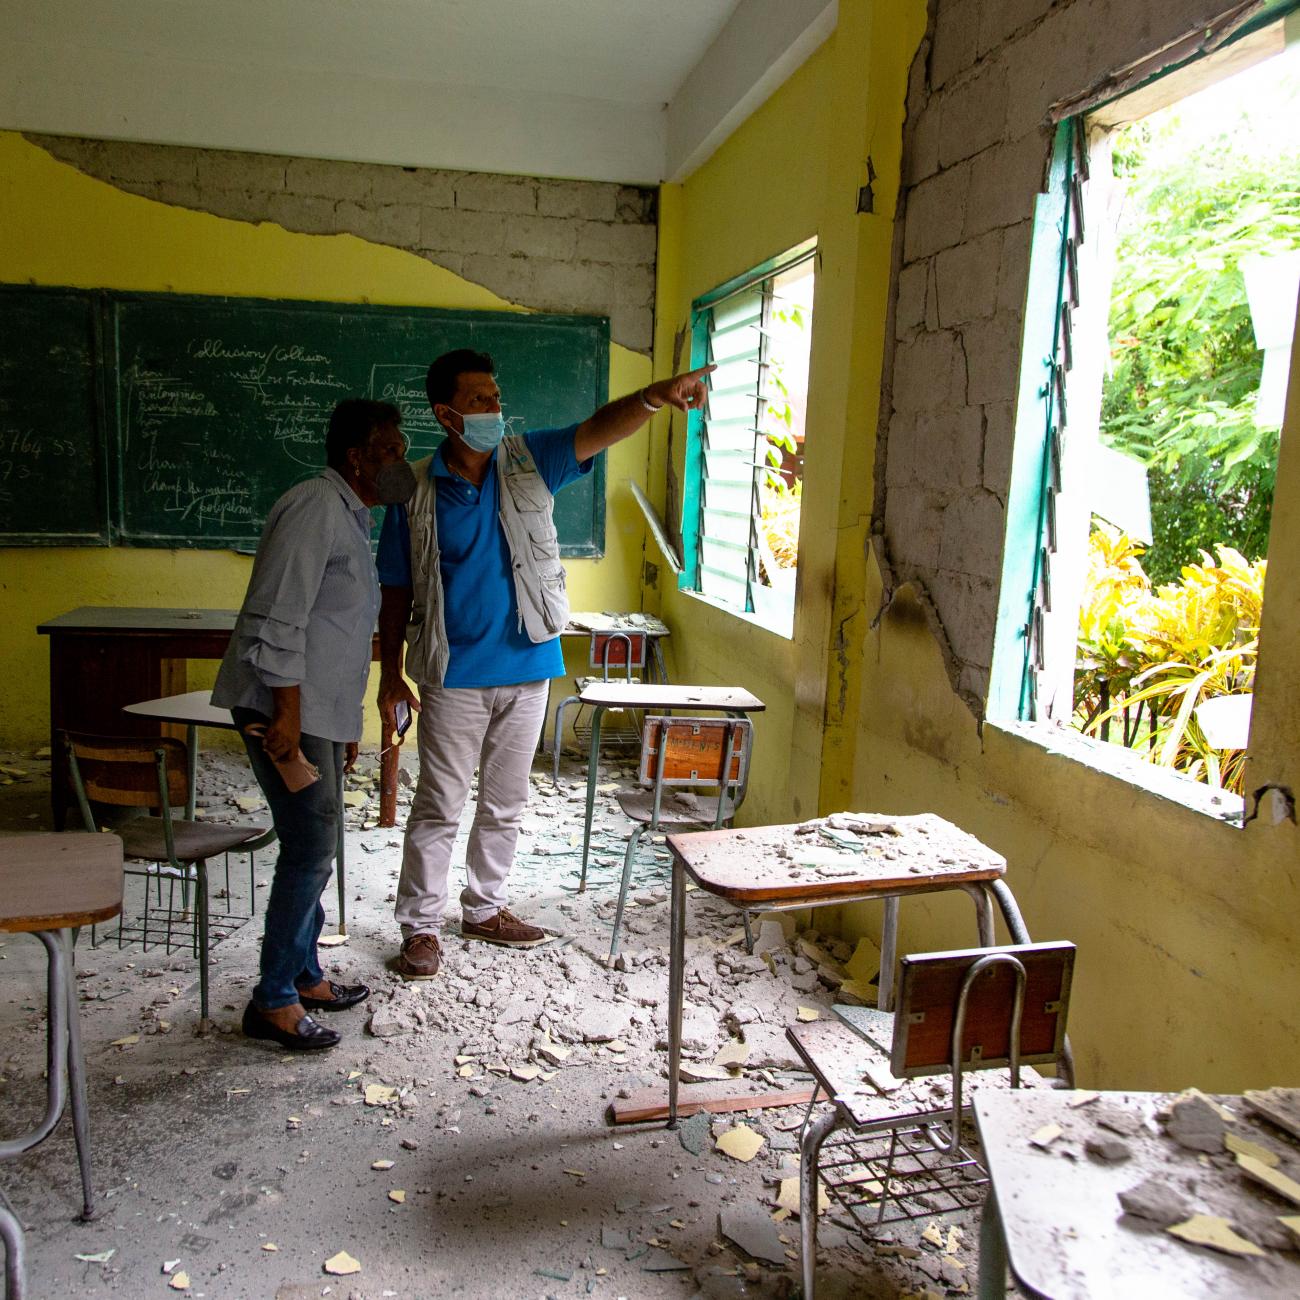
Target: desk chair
[[974, 1009], [704, 754], [140, 772], [626, 650]]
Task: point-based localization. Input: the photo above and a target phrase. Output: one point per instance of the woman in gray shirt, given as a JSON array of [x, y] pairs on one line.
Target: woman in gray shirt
[[294, 677]]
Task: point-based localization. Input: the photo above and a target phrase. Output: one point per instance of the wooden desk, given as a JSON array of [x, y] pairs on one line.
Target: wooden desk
[[50, 885], [662, 697], [1055, 1217], [785, 868]]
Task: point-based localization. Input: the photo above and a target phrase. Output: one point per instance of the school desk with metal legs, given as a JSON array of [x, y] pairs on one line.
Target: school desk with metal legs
[[194, 710], [787, 868], [659, 698], [50, 886]]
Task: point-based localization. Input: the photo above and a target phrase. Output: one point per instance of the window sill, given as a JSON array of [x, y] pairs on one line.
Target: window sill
[[782, 627], [1122, 764]]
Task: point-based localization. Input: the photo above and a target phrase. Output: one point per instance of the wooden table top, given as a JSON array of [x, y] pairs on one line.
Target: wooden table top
[[56, 881], [194, 708], [819, 860], [124, 618], [1067, 1234], [640, 695]]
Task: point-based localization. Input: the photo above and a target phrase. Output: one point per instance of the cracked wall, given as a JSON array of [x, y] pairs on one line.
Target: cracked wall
[[581, 247], [976, 146]]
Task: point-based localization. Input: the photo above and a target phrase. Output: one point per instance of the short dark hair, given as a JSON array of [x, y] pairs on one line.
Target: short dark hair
[[352, 422], [444, 374]]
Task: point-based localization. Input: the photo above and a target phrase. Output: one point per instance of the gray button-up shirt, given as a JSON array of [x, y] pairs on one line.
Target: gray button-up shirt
[[310, 611]]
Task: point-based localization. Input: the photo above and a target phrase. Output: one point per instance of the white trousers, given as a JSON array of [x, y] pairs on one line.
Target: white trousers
[[494, 729]]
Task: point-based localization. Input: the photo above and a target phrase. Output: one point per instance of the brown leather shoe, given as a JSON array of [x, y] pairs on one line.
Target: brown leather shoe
[[506, 929], [420, 958]]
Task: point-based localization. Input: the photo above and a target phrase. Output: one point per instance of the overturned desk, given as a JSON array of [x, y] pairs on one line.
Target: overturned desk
[[843, 858]]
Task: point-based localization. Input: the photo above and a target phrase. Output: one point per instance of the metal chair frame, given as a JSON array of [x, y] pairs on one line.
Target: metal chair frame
[[663, 729], [636, 649], [913, 1164], [195, 869]]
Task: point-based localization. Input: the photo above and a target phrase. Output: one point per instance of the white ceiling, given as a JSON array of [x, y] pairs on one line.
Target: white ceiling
[[626, 90]]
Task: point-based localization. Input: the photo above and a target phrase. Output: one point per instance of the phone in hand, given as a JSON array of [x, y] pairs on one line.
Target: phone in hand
[[402, 716]]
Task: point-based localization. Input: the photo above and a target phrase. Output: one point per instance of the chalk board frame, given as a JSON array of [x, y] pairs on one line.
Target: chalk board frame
[[93, 511], [591, 545]]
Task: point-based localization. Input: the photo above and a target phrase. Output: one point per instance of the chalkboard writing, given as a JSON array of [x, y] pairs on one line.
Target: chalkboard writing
[[195, 414], [52, 488], [223, 403]]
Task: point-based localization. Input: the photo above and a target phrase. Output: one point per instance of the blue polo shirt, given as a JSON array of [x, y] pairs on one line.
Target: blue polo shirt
[[487, 645]]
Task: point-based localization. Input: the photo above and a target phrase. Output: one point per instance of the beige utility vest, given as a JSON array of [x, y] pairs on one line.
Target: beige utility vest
[[526, 516]]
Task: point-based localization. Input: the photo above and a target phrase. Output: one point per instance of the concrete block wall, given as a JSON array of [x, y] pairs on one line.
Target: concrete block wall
[[559, 246], [976, 146]]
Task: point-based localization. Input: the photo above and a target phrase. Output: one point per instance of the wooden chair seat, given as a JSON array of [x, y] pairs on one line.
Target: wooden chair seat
[[676, 808], [146, 838]]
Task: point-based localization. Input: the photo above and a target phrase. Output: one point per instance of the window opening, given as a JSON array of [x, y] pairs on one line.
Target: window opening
[[1163, 296], [746, 448]]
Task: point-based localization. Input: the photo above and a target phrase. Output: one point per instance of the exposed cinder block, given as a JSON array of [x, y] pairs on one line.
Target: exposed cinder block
[[941, 448], [462, 232], [936, 212], [1013, 273], [328, 180], [1005, 183], [999, 437], [634, 286], [575, 286], [221, 169], [588, 200], [1050, 62], [922, 158], [913, 526], [144, 163], [511, 277], [909, 305], [993, 358], [482, 193], [180, 194], [624, 245], [453, 262], [956, 33], [87, 155], [929, 372], [422, 186], [237, 205], [973, 683], [638, 204], [999, 20], [973, 534], [967, 605], [633, 327], [304, 213], [966, 279], [393, 223], [540, 237], [973, 114]]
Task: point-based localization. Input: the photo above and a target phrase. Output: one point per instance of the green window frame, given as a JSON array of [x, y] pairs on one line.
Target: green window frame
[[725, 445]]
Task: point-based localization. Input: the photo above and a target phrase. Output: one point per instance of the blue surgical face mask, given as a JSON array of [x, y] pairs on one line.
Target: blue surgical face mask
[[482, 432]]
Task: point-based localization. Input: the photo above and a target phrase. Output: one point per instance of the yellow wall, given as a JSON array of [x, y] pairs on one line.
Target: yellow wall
[[57, 226], [1186, 927]]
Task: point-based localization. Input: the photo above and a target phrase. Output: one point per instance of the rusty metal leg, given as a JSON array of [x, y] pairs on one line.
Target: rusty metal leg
[[810, 1145], [888, 956], [389, 761], [77, 1081]]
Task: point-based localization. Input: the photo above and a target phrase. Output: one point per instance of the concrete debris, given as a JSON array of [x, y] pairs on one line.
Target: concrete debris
[[751, 1228], [1195, 1123], [1156, 1201], [1110, 1150]]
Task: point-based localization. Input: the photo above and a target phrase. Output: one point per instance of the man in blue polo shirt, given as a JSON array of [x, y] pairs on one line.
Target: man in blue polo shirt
[[473, 594]]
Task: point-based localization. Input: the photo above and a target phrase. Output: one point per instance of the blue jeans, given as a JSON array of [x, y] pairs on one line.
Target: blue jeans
[[306, 824]]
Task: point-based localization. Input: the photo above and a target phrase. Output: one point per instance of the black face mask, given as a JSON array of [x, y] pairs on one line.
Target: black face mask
[[395, 483]]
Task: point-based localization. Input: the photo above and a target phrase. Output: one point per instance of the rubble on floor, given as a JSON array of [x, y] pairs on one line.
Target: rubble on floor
[[458, 1138]]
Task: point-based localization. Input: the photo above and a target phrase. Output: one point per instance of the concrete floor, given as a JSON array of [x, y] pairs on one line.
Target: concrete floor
[[246, 1168]]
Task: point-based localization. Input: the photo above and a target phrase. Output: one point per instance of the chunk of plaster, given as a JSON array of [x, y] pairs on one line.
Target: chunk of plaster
[[741, 1143], [1217, 1234], [1273, 1179], [342, 1264]]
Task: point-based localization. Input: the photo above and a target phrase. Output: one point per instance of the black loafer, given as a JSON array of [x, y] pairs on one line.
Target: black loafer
[[345, 996], [305, 1036]]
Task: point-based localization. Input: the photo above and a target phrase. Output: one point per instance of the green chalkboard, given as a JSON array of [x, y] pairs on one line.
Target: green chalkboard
[[162, 420], [221, 404], [52, 481]]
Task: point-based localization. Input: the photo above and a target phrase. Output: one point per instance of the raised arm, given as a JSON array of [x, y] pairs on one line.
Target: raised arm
[[622, 418]]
